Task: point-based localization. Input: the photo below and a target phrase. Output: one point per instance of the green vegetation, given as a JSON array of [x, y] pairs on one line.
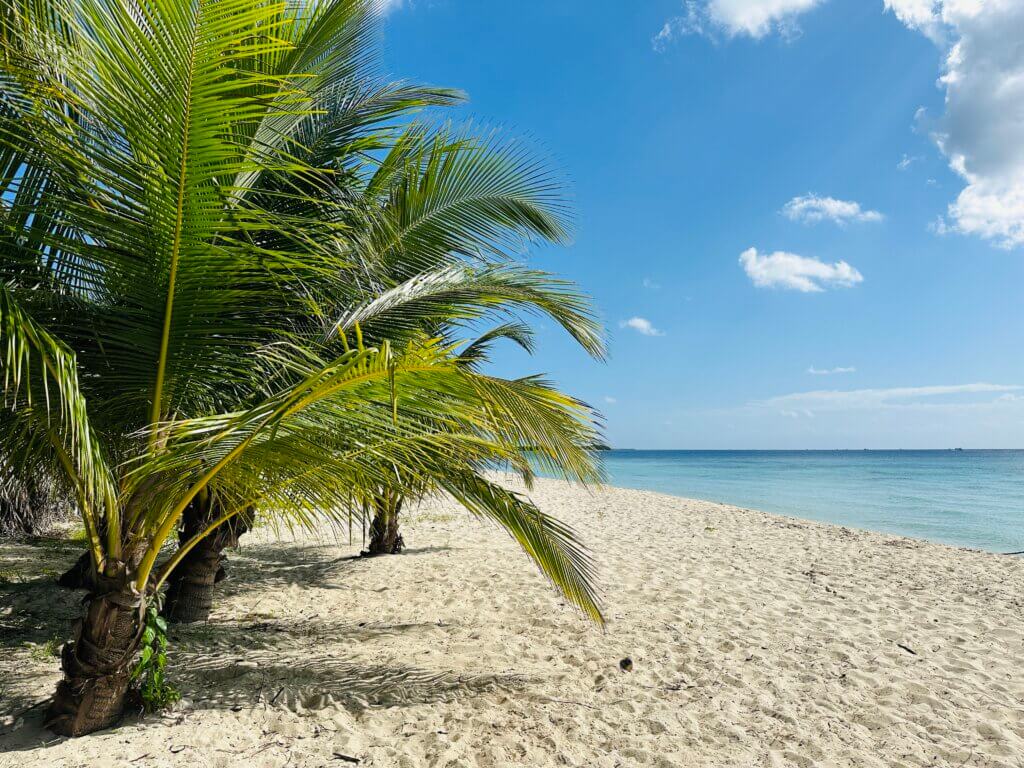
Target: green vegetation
[[237, 278], [47, 651], [154, 691]]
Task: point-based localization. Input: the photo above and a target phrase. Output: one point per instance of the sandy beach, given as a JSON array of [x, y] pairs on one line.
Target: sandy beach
[[756, 640]]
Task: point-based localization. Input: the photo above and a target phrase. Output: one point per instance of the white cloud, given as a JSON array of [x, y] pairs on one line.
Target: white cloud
[[692, 21], [906, 161], [829, 371], [922, 15], [754, 18], [796, 273], [892, 398], [981, 131], [641, 325], [812, 208], [651, 285], [610, 400], [384, 7]]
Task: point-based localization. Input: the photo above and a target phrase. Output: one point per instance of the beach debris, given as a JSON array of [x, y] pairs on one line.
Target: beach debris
[[907, 648], [347, 758], [626, 665]]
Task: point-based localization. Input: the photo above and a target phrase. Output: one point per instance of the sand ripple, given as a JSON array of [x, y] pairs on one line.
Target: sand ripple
[[756, 640]]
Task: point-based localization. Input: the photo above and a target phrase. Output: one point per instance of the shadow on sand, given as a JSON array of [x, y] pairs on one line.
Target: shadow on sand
[[233, 663]]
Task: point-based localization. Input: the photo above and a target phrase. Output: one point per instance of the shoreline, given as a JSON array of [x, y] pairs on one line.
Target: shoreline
[[757, 640], [798, 519], [966, 499]]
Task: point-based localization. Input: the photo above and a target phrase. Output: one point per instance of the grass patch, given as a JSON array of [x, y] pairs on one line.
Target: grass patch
[[45, 651]]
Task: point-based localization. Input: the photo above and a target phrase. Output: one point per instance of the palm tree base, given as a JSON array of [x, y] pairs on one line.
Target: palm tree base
[[385, 538], [191, 587], [97, 665], [189, 601]]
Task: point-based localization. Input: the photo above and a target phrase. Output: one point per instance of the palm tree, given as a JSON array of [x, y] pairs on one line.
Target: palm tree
[[384, 510], [441, 199], [429, 220], [146, 283]]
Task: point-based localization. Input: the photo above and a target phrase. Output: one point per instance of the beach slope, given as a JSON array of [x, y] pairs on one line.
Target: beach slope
[[755, 640]]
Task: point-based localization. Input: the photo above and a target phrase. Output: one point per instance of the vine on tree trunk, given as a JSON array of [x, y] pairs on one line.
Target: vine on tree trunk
[[153, 691]]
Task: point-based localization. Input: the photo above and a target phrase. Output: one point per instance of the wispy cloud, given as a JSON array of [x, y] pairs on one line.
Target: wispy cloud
[[922, 15], [980, 132], [651, 285], [796, 273], [811, 209], [732, 18], [641, 325], [807, 403], [384, 7], [610, 400], [829, 371], [906, 161], [692, 21]]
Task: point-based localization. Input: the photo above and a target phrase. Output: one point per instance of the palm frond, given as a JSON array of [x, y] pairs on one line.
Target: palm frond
[[48, 412], [461, 293], [553, 546], [478, 351]]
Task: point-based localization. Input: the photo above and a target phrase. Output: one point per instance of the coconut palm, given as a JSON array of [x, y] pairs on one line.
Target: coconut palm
[[430, 218], [146, 282], [385, 508], [447, 207]]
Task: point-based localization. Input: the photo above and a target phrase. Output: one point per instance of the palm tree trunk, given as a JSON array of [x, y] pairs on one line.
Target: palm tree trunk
[[97, 662], [82, 576], [191, 585], [385, 538]]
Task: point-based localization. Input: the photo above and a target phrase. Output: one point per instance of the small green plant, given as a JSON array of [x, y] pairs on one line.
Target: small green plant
[[45, 651], [153, 690]]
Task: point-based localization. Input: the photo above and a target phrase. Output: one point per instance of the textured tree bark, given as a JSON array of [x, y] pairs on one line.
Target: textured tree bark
[[190, 588], [385, 537], [82, 576], [97, 662]]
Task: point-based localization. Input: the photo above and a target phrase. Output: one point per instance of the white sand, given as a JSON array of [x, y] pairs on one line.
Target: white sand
[[757, 641]]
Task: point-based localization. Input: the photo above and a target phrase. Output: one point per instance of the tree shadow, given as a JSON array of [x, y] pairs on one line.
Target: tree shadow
[[261, 566], [323, 682], [35, 619], [238, 662]]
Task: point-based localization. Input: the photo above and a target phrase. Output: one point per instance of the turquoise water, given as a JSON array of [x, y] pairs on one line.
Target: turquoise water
[[965, 498]]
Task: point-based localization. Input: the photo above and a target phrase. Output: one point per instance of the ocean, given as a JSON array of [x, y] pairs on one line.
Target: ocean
[[968, 498]]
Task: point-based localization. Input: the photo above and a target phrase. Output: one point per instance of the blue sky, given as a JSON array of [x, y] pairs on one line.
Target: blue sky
[[802, 220]]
